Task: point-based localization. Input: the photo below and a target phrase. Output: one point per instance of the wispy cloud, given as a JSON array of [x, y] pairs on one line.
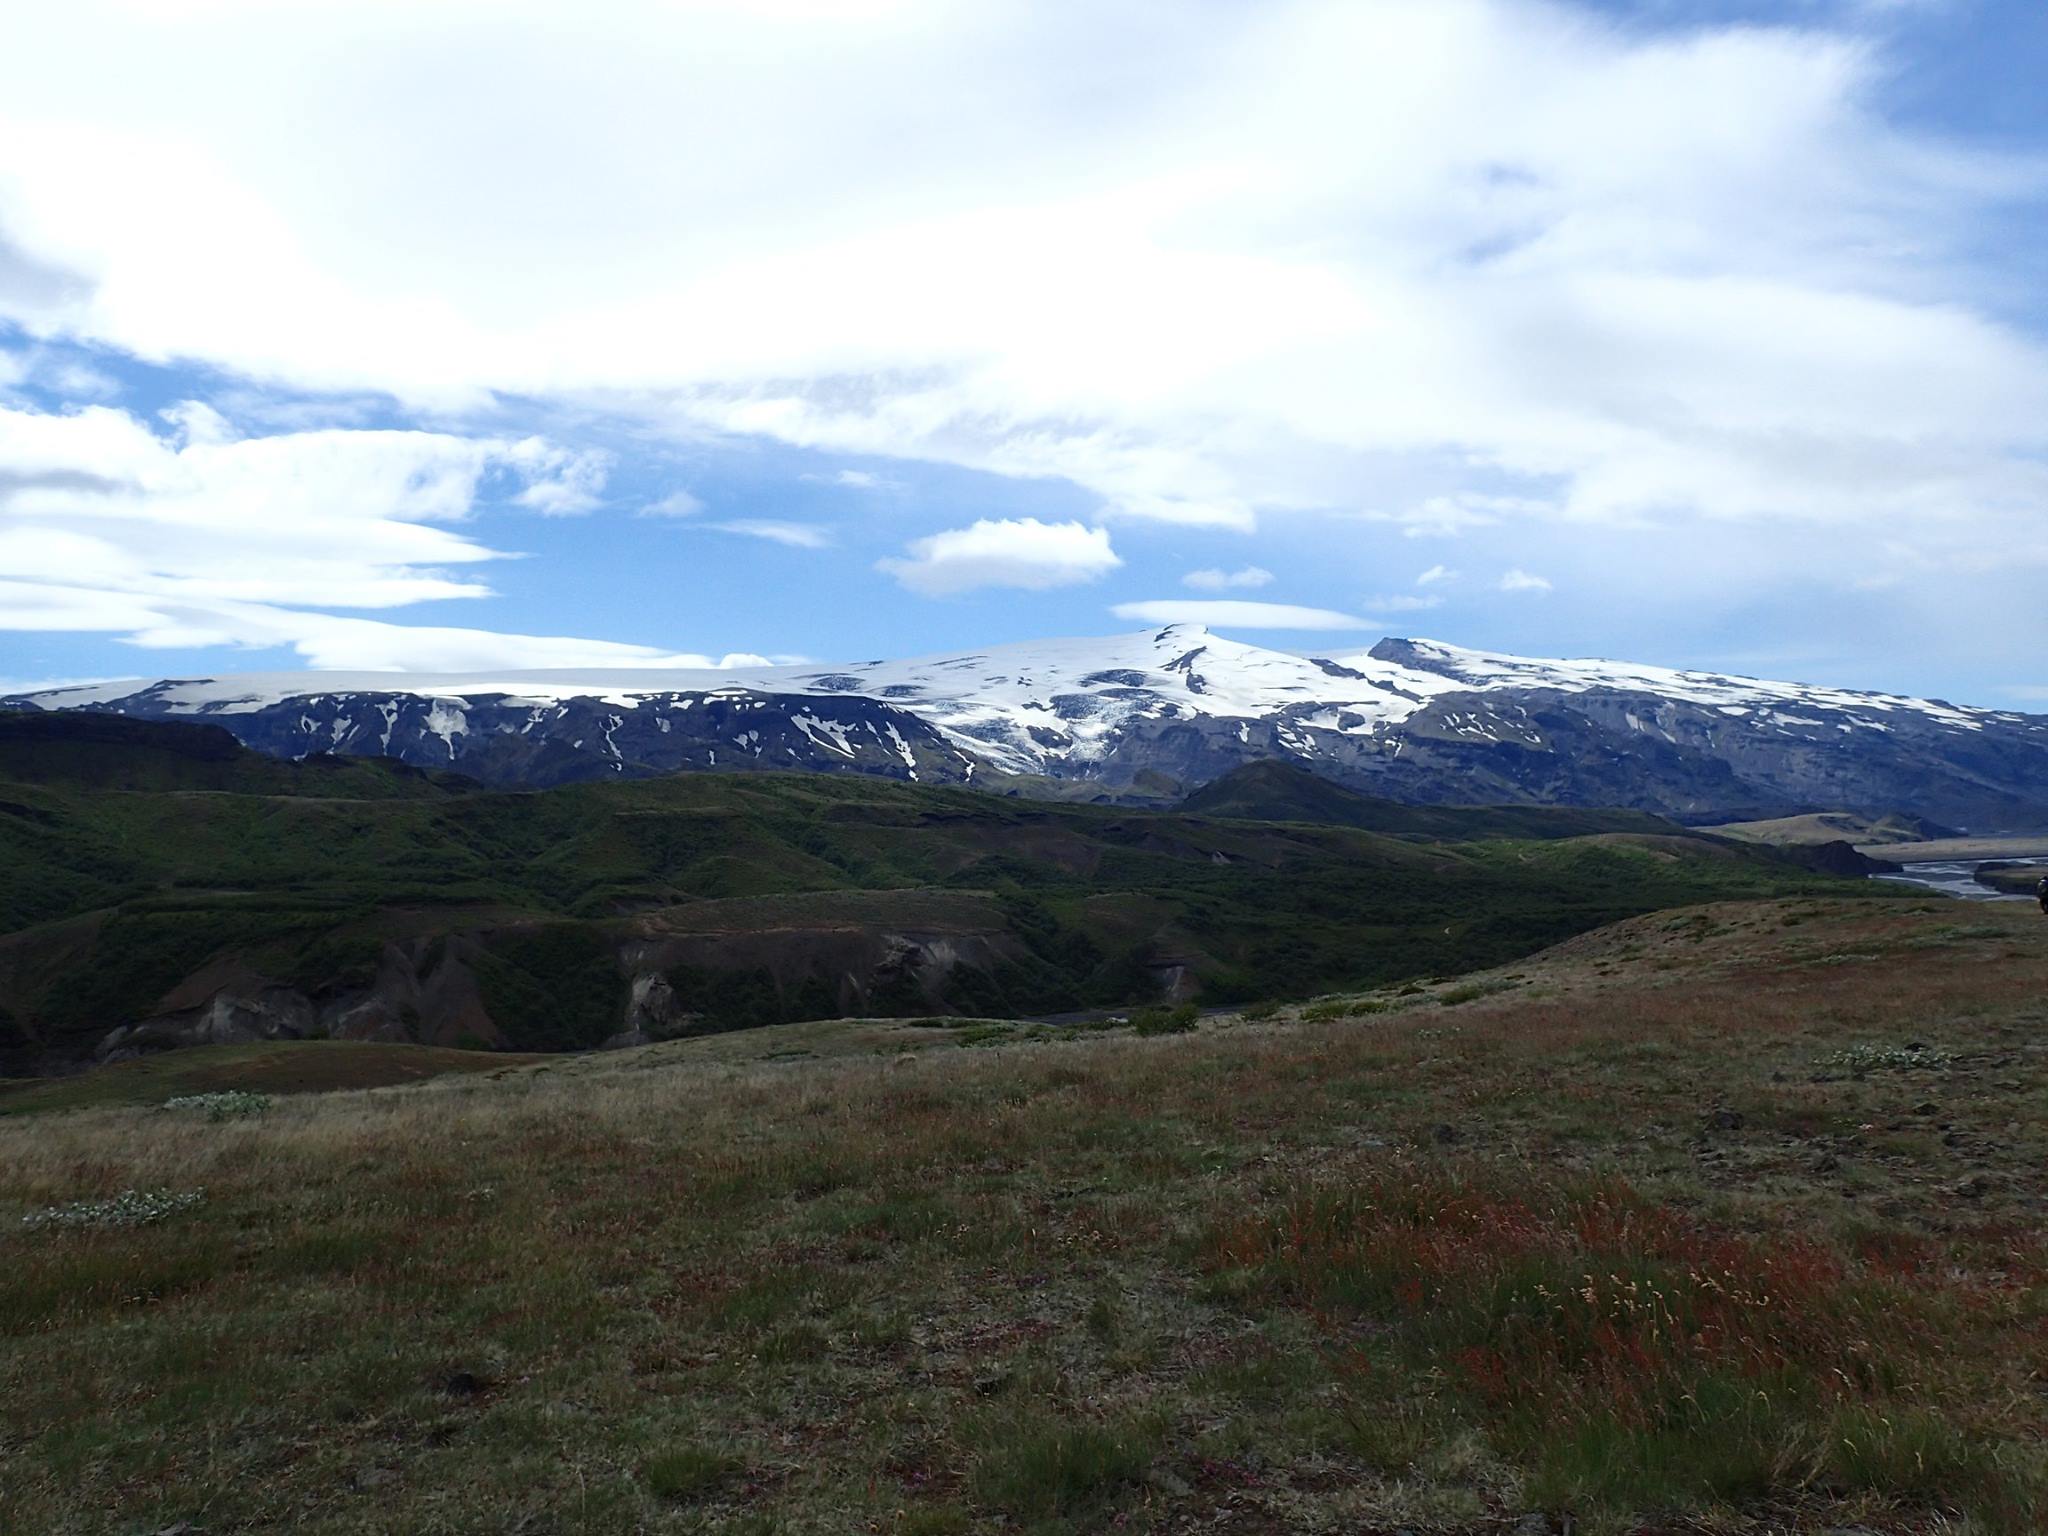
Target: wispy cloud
[[185, 533], [191, 509], [1214, 580], [865, 480], [1523, 581], [677, 503], [572, 490], [1237, 614], [775, 531]]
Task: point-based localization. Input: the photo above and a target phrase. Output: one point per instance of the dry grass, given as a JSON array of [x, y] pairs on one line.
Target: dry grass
[[1611, 1240], [270, 1066]]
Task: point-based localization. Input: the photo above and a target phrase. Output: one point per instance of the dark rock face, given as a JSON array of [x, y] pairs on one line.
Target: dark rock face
[[1631, 751], [429, 991], [1689, 757], [505, 742], [421, 991], [227, 1018]]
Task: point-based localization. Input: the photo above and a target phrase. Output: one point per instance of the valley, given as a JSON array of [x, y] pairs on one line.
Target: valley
[[162, 887]]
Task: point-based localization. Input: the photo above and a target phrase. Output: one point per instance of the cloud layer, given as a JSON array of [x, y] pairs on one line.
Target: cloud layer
[[180, 533], [1648, 274], [1505, 271], [1235, 614], [1214, 580]]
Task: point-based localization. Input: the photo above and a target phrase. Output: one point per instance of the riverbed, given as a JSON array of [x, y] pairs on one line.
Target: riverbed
[[1951, 877]]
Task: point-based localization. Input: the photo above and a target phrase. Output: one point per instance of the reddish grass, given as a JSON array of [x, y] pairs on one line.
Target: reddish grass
[[1570, 1297]]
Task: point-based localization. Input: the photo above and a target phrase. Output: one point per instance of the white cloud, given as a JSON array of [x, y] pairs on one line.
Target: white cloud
[[795, 535], [1236, 614], [1223, 581], [1450, 517], [1523, 581], [198, 536], [865, 480], [677, 503], [565, 484], [336, 518], [854, 480], [77, 381], [334, 643], [1404, 602], [1008, 552], [1245, 266], [196, 424], [322, 640], [1462, 266], [1435, 574]]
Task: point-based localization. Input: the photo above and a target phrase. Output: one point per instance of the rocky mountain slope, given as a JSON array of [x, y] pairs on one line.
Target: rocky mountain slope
[[1155, 714]]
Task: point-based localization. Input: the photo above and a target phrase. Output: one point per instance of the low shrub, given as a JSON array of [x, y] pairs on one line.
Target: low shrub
[[1887, 1058], [222, 1106], [981, 1034], [1345, 1008], [1180, 1020], [130, 1208]]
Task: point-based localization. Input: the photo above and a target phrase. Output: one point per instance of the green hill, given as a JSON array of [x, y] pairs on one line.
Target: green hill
[[1822, 827], [88, 751], [147, 878], [1279, 791]]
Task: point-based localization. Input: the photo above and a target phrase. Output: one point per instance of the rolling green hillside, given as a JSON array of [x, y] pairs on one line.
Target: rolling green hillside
[[1280, 791], [1835, 826], [87, 751], [228, 898]]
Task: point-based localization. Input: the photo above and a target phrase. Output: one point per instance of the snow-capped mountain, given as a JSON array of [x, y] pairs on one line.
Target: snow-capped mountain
[[1153, 714]]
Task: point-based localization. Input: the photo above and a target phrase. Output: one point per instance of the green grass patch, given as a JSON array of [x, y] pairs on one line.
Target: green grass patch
[[1039, 1470], [687, 1472]]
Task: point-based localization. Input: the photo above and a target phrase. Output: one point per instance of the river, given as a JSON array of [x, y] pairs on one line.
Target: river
[[1951, 877]]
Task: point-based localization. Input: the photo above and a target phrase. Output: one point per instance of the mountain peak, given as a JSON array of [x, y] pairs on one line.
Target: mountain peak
[[1168, 708]]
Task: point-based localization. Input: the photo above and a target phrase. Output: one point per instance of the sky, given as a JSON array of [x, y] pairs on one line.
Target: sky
[[436, 335]]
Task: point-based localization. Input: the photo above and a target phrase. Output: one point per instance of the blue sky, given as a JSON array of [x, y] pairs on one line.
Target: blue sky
[[449, 337]]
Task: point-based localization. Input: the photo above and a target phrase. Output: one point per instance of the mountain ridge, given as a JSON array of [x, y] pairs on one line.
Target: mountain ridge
[[1149, 716]]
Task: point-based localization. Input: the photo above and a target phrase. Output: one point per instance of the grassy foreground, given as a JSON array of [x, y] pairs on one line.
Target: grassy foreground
[[1722, 1220]]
